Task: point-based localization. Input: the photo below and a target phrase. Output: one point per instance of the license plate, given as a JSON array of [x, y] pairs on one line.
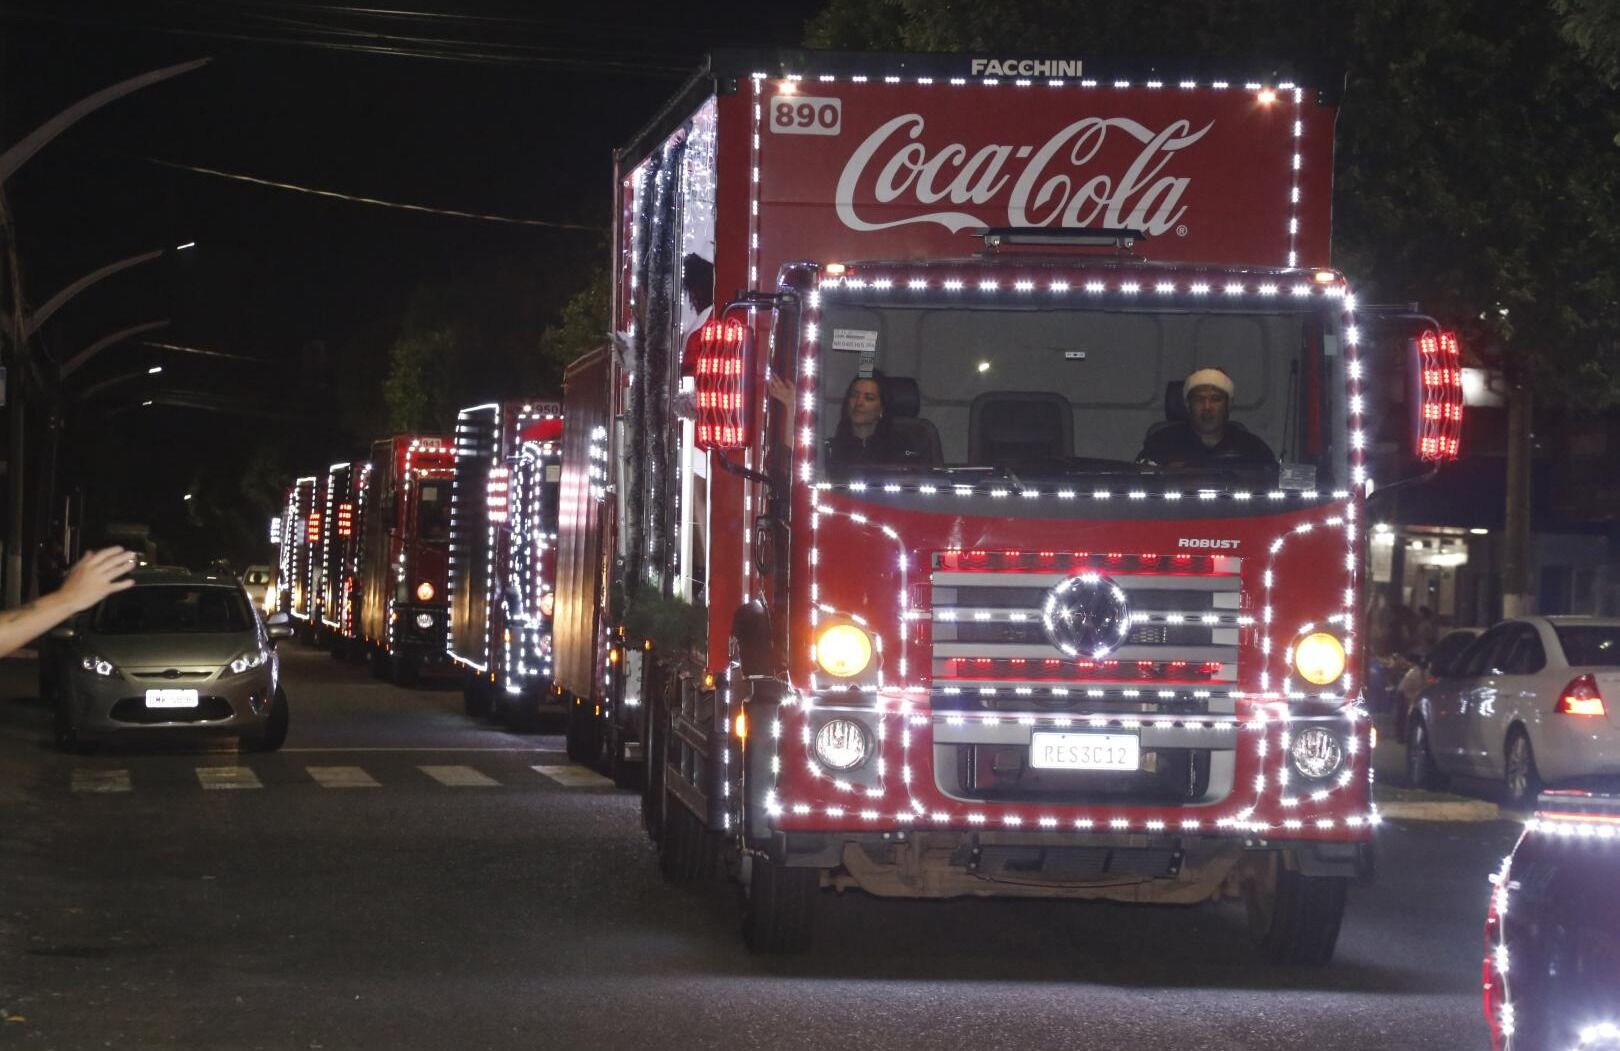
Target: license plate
[[1084, 751], [171, 698]]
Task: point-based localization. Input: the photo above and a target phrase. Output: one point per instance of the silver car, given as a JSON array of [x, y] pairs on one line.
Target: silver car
[[178, 651], [1528, 703]]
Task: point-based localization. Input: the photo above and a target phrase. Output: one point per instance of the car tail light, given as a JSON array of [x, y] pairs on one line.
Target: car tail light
[[1581, 697]]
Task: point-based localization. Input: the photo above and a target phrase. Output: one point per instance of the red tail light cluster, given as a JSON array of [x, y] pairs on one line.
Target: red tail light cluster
[[722, 385], [1440, 408], [312, 531], [1581, 697], [345, 519], [497, 490]]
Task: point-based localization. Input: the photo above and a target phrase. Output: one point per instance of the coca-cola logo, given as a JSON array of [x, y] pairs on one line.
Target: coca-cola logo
[[1058, 183]]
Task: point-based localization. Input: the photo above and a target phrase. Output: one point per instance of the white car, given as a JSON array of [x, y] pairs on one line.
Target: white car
[[1530, 702]]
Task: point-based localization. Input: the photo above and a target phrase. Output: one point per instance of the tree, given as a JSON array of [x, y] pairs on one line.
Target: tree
[[416, 389], [583, 324]]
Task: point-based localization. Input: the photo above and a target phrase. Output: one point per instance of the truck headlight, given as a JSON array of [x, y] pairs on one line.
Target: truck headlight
[[425, 592], [843, 649], [842, 744], [1316, 753], [1319, 658]]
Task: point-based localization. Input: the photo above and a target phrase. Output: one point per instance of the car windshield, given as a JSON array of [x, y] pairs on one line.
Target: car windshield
[[165, 609], [1041, 391], [433, 511], [1590, 645]]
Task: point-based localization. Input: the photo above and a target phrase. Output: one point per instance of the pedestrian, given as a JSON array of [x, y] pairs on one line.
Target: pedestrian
[[97, 575], [1428, 630]]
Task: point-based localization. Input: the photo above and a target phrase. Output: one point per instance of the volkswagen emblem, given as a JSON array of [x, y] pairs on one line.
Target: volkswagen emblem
[[1086, 616]]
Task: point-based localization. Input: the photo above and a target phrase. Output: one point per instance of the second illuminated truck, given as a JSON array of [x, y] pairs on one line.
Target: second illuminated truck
[[1014, 658]]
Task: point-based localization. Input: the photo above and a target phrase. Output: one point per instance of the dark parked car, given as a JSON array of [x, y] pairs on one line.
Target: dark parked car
[[179, 651], [1552, 934]]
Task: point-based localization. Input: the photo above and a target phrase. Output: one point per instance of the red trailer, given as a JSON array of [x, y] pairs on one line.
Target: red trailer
[[300, 527], [503, 557], [1017, 490], [404, 549], [337, 577]]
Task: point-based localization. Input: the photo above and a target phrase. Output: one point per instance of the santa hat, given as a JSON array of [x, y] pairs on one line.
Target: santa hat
[[1208, 378]]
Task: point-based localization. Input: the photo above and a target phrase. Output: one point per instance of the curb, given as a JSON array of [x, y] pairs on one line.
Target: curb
[[1441, 810]]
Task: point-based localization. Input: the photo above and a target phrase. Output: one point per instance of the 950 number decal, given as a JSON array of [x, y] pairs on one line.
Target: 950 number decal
[[802, 115]]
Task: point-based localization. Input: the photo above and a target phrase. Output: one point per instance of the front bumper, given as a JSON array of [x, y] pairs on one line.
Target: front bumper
[[227, 704]]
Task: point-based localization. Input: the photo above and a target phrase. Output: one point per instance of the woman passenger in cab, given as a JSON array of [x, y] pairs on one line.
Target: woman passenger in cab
[[865, 434]]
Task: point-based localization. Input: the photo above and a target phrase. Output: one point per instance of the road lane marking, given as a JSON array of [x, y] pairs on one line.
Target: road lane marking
[[101, 781], [458, 776], [575, 777], [341, 777], [227, 777]]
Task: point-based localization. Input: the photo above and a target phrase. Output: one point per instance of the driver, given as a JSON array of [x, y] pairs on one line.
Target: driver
[[1207, 435]]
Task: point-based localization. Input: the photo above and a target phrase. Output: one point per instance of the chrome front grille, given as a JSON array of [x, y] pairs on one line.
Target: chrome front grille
[[989, 646]]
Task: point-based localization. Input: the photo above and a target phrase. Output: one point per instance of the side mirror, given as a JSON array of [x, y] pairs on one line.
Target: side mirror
[[277, 632], [1414, 396], [63, 633], [720, 357]]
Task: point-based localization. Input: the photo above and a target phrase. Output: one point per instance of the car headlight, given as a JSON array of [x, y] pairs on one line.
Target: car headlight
[[425, 592], [99, 666], [248, 661], [1319, 658], [424, 621], [842, 744], [1316, 753], [843, 650]]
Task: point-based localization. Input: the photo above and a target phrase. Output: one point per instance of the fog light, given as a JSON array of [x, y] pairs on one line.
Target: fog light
[[842, 744], [1319, 658], [424, 621], [1316, 753], [843, 650]]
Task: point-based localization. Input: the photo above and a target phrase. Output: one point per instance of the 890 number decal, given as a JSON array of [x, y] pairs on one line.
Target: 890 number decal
[[801, 115]]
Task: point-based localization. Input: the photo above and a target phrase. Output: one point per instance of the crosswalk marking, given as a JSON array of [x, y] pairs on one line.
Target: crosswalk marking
[[458, 776], [227, 777], [101, 781], [575, 776], [341, 777]]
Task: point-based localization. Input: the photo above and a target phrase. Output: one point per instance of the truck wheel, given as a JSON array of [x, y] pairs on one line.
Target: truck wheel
[[404, 670], [475, 695], [379, 662], [1294, 919], [575, 732], [1421, 771], [520, 712], [66, 731], [779, 903], [620, 769], [652, 780], [686, 848], [275, 728]]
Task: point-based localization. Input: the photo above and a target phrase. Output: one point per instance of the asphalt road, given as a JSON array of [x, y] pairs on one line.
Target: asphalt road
[[400, 877]]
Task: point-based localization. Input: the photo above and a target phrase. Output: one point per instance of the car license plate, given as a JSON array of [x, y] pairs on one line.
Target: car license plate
[[1084, 751], [171, 698]]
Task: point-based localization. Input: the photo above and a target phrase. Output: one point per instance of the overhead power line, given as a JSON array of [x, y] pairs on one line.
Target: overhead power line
[[335, 195]]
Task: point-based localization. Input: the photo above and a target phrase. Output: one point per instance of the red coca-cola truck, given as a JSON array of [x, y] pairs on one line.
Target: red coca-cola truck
[[337, 578], [300, 524], [1008, 435], [503, 558], [404, 555]]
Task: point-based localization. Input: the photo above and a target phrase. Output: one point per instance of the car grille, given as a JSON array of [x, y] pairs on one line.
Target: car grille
[[134, 710]]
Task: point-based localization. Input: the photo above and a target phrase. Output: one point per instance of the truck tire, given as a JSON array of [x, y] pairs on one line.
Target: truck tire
[[377, 658], [652, 778], [66, 730], [474, 695], [779, 903], [1294, 919], [620, 769], [578, 747], [519, 712], [404, 670]]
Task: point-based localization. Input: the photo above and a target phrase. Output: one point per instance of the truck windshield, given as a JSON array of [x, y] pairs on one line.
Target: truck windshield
[[433, 511], [1044, 392]]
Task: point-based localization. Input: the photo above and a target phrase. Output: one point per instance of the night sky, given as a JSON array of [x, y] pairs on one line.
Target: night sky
[[521, 123]]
